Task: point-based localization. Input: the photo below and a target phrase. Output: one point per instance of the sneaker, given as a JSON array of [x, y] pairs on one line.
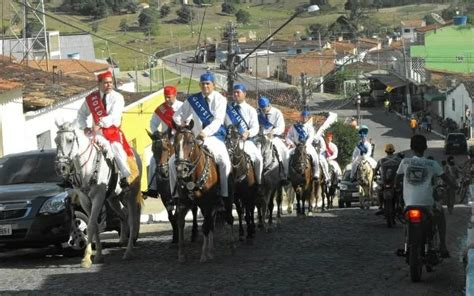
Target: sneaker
[[150, 193], [124, 183]]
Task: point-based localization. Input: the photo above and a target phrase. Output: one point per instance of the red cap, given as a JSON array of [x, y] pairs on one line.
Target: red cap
[[103, 75], [170, 90]]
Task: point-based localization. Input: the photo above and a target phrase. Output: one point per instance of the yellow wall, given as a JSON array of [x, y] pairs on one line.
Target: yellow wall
[[135, 121]]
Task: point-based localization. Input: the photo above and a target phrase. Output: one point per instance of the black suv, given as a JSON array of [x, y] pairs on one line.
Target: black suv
[[455, 143], [35, 208]]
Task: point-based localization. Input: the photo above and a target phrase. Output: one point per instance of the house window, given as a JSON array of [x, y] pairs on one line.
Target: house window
[[299, 50], [406, 30], [43, 140], [453, 103]]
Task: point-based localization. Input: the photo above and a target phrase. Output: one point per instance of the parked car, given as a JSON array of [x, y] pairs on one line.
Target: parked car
[[36, 208], [455, 143], [348, 190]]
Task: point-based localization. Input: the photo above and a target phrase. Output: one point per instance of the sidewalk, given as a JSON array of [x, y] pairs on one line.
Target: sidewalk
[[435, 127]]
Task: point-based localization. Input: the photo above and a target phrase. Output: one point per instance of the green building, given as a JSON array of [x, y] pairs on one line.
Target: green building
[[447, 49]]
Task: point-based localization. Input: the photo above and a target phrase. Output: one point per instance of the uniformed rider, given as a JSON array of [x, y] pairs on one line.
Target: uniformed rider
[[272, 124], [106, 107], [162, 120], [208, 111], [245, 118], [363, 150], [331, 155], [303, 132]]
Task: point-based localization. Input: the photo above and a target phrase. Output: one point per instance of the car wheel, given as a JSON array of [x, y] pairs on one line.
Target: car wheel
[[348, 204], [77, 242]]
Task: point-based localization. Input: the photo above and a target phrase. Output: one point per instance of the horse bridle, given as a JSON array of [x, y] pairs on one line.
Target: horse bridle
[[162, 167], [301, 161], [62, 158]]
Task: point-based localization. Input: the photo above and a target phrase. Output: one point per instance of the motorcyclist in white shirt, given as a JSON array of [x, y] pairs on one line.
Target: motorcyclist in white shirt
[[161, 121], [245, 118], [272, 124]]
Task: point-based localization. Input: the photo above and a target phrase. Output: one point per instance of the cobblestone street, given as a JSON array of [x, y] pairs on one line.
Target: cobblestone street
[[341, 252]]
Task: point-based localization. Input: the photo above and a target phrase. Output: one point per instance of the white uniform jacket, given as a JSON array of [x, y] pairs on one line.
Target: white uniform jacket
[[156, 124], [275, 117], [249, 114], [115, 105]]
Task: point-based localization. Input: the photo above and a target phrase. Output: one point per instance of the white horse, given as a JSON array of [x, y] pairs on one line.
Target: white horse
[[81, 161]]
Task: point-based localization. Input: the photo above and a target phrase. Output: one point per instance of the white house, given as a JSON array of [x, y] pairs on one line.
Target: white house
[[458, 104], [408, 29]]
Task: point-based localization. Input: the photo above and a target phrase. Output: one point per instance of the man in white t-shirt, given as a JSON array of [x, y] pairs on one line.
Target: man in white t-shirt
[[418, 173]]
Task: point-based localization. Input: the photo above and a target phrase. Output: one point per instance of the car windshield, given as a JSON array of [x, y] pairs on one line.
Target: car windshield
[[32, 168], [459, 139], [347, 176]]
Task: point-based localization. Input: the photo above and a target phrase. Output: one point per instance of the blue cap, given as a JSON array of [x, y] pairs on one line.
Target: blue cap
[[240, 87], [263, 102], [305, 113], [363, 130], [208, 76]]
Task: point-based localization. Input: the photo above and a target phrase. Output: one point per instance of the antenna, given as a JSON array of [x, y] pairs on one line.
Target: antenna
[[438, 18]]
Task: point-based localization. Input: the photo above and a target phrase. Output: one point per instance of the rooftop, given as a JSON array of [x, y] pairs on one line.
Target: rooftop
[[74, 68], [38, 88], [412, 23]]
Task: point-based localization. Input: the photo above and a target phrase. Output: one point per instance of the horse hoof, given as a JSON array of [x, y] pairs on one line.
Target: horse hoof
[[127, 256], [86, 263]]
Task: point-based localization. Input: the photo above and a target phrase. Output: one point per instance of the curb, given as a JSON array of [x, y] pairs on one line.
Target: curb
[[470, 248], [432, 131]]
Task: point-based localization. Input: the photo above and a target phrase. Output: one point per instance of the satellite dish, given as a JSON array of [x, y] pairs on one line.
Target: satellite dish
[[438, 18]]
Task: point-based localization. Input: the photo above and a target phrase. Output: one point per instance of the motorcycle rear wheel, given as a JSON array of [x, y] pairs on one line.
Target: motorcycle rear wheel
[[416, 265]]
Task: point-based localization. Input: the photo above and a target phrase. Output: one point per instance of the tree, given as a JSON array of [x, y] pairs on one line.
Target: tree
[[164, 10], [243, 17], [147, 17], [185, 14], [228, 8], [345, 137]]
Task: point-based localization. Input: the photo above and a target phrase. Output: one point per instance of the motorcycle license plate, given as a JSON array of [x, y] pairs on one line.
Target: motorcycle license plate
[[355, 194], [5, 230]]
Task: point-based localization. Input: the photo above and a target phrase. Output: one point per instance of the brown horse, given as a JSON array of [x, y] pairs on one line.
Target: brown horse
[[301, 177], [162, 149], [197, 184], [243, 184]]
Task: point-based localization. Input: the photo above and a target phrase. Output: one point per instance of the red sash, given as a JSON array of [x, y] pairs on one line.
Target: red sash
[[112, 133], [165, 112], [329, 151]]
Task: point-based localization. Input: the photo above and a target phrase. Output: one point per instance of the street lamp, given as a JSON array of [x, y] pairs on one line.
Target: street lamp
[[310, 9], [358, 109]]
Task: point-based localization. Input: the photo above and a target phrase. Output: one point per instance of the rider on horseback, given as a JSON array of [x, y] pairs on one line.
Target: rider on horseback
[[301, 132], [245, 118], [162, 120], [387, 167], [208, 110], [331, 155], [106, 107], [272, 123], [363, 150]]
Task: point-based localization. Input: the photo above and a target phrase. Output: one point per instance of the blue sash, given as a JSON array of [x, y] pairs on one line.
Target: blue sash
[[236, 117], [201, 108], [302, 134], [363, 150], [263, 120]]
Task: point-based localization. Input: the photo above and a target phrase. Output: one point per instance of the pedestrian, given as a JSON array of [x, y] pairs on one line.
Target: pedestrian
[[106, 107], [386, 105], [429, 122], [413, 124], [424, 123], [403, 108], [353, 122]]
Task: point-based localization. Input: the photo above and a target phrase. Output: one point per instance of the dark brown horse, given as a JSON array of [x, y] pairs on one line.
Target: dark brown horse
[[243, 185], [301, 177], [162, 149], [197, 184]]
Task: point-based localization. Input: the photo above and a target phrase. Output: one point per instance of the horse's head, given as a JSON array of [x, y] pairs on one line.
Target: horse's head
[[162, 149], [235, 147], [187, 151], [299, 159], [233, 140], [67, 144]]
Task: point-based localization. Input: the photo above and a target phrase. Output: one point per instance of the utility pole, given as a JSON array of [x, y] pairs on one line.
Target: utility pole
[[303, 90], [231, 34], [407, 86], [268, 51], [112, 62]]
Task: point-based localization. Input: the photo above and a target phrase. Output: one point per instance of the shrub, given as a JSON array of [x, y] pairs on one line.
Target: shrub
[[345, 137], [243, 17]]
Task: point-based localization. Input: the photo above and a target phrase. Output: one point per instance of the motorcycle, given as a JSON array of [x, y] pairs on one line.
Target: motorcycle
[[421, 246]]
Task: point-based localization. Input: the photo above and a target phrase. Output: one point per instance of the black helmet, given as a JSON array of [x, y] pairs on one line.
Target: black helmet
[[418, 143]]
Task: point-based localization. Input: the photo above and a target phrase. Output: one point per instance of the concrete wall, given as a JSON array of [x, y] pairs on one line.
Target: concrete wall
[[459, 97], [12, 122]]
